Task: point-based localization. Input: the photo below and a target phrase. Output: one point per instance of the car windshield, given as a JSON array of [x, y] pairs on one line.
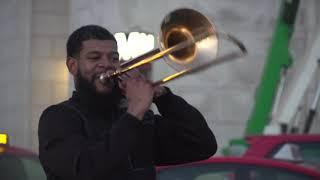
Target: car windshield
[[20, 168], [309, 152], [228, 172]]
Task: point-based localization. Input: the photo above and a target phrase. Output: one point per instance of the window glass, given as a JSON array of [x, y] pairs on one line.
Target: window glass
[[20, 168], [33, 168], [310, 152], [11, 168], [228, 172], [197, 172], [220, 175]]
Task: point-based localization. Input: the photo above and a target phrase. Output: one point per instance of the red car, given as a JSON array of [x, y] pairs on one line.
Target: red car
[[18, 164], [237, 168], [297, 148]]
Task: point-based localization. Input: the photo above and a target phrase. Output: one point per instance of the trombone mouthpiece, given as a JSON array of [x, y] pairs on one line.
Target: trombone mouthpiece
[[107, 77], [102, 77]]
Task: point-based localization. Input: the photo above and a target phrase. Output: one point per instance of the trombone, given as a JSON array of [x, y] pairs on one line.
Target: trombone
[[188, 43]]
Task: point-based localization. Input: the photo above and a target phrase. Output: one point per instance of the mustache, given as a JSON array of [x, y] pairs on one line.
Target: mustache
[[108, 69]]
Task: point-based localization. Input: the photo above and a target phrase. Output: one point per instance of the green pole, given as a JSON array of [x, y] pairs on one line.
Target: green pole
[[278, 58]]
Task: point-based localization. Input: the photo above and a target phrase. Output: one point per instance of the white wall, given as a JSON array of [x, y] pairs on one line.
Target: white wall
[[15, 71], [32, 64], [50, 28]]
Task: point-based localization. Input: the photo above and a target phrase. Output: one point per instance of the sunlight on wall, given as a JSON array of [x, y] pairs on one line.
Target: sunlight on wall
[[133, 44], [61, 86]]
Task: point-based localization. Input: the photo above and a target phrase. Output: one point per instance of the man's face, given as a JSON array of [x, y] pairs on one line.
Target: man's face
[[97, 57]]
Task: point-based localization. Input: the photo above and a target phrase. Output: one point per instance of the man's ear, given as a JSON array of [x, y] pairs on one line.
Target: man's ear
[[72, 65]]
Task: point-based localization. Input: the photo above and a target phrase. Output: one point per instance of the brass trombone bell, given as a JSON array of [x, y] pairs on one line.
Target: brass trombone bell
[[188, 43]]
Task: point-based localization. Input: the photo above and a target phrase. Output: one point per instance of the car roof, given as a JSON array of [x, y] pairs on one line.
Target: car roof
[[252, 161], [261, 145], [13, 150], [284, 137]]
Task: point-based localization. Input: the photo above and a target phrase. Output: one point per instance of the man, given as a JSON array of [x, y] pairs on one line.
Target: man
[[95, 135]]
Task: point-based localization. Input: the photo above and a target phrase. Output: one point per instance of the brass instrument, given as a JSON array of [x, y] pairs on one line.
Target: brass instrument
[[188, 43]]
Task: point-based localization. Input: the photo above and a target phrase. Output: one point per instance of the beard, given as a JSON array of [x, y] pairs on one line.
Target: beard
[[89, 90]]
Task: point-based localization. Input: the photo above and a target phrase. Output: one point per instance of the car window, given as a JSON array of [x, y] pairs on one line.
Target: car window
[[20, 168], [33, 168], [223, 175], [228, 172], [196, 172], [309, 152]]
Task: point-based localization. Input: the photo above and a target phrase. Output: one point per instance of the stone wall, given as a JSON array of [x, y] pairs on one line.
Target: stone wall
[[15, 71], [50, 28]]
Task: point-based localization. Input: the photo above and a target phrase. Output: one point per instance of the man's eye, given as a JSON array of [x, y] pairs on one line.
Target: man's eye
[[94, 58]]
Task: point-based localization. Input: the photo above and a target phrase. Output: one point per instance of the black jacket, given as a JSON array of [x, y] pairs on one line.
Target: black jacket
[[78, 140]]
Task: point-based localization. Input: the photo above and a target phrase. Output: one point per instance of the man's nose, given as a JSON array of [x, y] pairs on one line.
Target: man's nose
[[105, 61]]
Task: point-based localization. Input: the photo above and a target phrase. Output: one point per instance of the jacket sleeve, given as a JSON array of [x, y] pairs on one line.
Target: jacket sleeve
[[66, 152], [182, 134]]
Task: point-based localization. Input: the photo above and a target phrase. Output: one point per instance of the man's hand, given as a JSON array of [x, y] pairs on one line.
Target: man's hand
[[139, 93], [159, 91]]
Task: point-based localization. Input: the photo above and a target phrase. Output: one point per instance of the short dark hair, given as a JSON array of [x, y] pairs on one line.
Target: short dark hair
[[74, 43]]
